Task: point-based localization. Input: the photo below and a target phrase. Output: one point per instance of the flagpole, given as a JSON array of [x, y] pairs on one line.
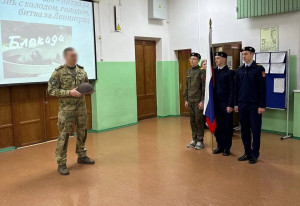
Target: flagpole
[[212, 134], [209, 110]]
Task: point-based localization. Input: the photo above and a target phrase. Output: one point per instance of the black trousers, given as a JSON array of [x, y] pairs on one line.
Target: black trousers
[[224, 130], [250, 123]]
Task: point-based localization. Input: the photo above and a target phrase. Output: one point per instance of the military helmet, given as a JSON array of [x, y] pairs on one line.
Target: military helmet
[[85, 88]]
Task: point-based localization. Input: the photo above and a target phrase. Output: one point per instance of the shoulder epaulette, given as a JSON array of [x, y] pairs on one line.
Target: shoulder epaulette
[[258, 64], [230, 68], [60, 67], [81, 67]]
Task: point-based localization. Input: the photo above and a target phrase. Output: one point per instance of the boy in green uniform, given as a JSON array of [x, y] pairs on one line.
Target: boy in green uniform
[[194, 101]]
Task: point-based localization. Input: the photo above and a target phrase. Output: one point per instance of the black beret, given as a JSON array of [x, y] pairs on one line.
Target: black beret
[[248, 48], [85, 88], [194, 54], [221, 54]]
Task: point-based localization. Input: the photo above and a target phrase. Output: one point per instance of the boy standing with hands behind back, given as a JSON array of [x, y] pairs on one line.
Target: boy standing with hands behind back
[[194, 100]]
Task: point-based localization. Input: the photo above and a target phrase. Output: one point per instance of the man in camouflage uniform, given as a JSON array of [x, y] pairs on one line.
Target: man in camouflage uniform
[[194, 100], [72, 109]]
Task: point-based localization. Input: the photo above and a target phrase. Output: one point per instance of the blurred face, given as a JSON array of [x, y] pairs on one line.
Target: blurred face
[[71, 58], [247, 56], [204, 64], [220, 61], [194, 61]]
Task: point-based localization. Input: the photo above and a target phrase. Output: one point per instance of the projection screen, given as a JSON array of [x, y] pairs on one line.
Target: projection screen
[[34, 33]]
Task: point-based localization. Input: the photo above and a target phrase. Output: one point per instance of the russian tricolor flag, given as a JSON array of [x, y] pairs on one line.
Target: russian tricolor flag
[[209, 109]]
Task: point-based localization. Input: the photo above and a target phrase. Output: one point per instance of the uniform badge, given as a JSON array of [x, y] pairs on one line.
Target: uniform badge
[[263, 74], [53, 82]]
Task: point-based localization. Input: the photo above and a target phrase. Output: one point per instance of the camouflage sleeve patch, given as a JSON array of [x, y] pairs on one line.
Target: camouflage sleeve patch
[[53, 82]]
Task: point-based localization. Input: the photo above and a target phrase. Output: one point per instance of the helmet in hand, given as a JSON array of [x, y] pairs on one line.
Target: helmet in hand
[[85, 88]]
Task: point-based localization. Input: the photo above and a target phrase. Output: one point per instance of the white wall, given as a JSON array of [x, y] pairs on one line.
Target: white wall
[[184, 22], [226, 26], [187, 28], [119, 46]]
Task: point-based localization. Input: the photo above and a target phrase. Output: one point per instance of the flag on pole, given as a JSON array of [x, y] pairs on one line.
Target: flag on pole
[[209, 110]]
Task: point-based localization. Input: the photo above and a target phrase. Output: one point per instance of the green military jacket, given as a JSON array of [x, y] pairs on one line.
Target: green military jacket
[[195, 85], [62, 82]]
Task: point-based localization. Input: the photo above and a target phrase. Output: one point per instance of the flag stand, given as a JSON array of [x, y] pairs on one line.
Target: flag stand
[[212, 141], [287, 98]]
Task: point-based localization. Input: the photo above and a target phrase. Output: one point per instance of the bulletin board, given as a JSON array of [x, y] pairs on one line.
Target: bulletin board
[[275, 64]]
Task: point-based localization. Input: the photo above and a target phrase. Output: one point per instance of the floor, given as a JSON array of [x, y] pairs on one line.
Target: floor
[[149, 164]]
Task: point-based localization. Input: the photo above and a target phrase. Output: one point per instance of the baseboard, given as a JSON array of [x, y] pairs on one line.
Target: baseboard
[[112, 128], [280, 133], [274, 132], [297, 138], [167, 116], [7, 149]]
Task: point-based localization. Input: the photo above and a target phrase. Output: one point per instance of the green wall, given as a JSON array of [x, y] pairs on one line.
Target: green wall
[[296, 123], [275, 120], [167, 82], [251, 8], [114, 103]]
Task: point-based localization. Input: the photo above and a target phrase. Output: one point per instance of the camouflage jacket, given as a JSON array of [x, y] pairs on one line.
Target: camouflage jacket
[[62, 82], [195, 85]]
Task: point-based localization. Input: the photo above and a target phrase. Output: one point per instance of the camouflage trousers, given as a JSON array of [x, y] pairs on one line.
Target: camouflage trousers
[[196, 121], [66, 120]]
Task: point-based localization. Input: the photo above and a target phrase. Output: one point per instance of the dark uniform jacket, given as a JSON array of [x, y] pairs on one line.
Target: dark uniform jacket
[[195, 85], [224, 87], [250, 85]]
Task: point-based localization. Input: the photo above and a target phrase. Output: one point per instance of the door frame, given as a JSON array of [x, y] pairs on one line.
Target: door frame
[[156, 40], [179, 82]]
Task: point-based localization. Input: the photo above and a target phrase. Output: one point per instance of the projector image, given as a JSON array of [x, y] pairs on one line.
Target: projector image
[[32, 49]]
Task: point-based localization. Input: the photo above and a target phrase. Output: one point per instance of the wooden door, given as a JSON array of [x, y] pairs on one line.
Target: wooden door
[[29, 113], [6, 118], [233, 51], [184, 65], [51, 112], [88, 99], [51, 109], [145, 57]]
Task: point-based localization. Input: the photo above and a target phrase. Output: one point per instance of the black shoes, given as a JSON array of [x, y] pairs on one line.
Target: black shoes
[[63, 170], [244, 157], [226, 152], [85, 160], [217, 150], [252, 160]]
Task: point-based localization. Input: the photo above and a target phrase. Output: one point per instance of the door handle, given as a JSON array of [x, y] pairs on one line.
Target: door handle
[[180, 87]]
